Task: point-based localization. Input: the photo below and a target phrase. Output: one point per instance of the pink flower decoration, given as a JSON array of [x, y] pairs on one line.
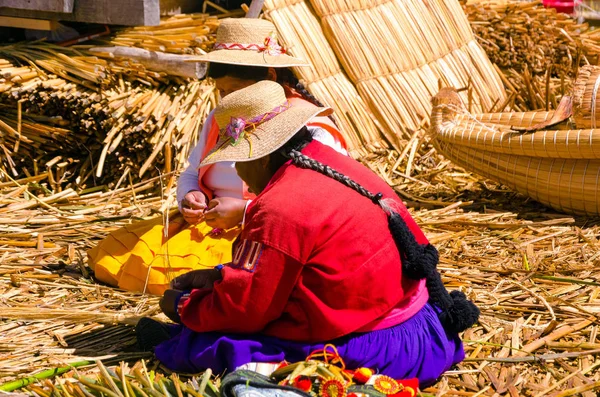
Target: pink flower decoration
[[272, 47], [235, 128]]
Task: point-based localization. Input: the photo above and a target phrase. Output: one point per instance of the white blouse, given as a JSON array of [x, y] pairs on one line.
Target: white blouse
[[222, 178]]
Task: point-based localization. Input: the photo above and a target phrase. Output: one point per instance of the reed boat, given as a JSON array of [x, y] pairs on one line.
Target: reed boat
[[552, 157]]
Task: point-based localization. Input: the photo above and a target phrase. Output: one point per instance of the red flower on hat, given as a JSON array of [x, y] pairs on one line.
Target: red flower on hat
[[272, 47]]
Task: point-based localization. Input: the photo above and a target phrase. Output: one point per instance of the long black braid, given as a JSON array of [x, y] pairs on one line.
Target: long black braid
[[418, 261]]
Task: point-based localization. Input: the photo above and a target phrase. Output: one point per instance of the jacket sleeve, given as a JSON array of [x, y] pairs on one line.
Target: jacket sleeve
[[254, 291]]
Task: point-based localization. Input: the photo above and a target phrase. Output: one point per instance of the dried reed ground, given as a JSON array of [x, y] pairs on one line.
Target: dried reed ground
[[531, 271]]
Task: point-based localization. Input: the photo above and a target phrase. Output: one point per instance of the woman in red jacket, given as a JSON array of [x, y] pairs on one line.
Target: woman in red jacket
[[328, 254], [146, 256]]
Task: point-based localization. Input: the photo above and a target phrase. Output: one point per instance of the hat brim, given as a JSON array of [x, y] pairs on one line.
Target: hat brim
[[266, 138], [249, 58]]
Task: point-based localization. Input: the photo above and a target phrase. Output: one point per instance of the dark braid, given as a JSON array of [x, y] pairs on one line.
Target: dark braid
[[287, 77], [418, 261], [302, 161]]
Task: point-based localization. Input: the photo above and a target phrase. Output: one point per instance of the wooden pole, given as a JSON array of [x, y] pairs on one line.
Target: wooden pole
[[255, 8], [173, 64]]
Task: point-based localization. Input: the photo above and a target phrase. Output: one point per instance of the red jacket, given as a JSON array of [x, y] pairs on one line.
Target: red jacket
[[314, 262]]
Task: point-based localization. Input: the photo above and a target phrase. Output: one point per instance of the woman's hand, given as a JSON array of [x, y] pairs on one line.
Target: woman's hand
[[225, 212], [196, 279], [167, 304], [193, 206]]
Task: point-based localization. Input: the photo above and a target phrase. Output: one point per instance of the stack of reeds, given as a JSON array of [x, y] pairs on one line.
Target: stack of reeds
[[396, 53], [536, 50], [301, 32], [90, 121], [179, 34]]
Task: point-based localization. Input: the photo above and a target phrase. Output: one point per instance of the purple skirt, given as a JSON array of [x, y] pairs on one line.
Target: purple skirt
[[419, 347]]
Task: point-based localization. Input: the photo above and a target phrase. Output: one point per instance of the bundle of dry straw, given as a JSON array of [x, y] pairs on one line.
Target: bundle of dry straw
[[89, 121], [395, 52], [303, 36], [179, 34], [536, 50]]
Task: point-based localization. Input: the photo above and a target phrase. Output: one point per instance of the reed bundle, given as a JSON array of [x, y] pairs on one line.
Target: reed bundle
[[303, 36], [395, 54], [93, 122], [179, 34], [398, 52], [536, 50]]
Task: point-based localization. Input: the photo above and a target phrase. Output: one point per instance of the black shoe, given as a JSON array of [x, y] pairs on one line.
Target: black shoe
[[151, 333]]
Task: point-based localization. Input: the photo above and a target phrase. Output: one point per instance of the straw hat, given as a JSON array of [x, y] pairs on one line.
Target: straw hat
[[256, 121], [249, 42]]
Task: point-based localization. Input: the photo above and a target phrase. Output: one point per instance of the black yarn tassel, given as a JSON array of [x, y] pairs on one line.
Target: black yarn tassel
[[420, 262]]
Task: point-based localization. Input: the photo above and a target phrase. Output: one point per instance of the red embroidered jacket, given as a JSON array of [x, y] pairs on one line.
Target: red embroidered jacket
[[314, 262]]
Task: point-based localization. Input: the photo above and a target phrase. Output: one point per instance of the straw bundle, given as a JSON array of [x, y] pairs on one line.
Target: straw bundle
[[397, 52], [302, 35], [536, 50], [559, 168], [91, 121], [179, 34]]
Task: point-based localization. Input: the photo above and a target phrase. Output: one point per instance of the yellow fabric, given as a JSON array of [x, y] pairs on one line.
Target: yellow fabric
[[139, 252]]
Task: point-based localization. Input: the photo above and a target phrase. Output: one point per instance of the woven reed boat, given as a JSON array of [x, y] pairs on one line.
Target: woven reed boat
[[539, 154]]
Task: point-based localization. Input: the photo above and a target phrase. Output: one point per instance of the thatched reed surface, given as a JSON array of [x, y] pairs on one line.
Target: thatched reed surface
[[395, 54], [325, 78], [532, 271], [51, 311]]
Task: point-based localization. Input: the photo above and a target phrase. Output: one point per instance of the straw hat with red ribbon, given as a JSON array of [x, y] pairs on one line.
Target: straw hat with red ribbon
[[249, 42], [256, 121]]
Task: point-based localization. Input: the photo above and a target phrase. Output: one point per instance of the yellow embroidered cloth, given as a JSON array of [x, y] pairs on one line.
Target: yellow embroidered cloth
[[138, 257]]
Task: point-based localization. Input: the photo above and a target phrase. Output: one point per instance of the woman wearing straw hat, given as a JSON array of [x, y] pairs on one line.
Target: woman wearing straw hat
[[212, 199], [328, 254]]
